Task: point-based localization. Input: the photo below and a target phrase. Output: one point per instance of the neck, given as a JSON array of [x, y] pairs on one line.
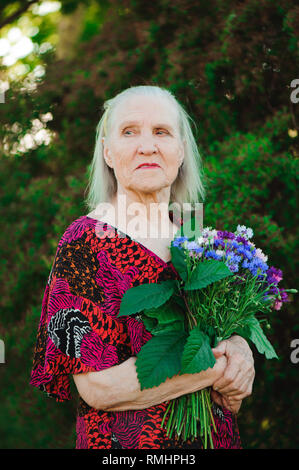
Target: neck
[[145, 210]]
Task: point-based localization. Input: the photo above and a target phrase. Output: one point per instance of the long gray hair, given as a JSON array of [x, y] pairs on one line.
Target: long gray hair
[[102, 184]]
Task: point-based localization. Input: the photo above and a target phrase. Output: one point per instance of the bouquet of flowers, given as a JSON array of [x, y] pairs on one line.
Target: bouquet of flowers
[[226, 287]]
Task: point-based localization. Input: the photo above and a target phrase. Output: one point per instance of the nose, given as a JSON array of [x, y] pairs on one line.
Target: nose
[[147, 145]]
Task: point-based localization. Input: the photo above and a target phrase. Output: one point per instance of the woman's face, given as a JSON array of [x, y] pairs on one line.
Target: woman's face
[[145, 131]]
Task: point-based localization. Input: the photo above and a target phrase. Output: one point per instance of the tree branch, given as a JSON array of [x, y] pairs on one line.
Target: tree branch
[[15, 15]]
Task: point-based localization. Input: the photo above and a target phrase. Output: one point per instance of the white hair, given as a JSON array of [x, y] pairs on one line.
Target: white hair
[[102, 183]]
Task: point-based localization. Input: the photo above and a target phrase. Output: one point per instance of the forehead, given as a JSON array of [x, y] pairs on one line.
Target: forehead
[[149, 109]]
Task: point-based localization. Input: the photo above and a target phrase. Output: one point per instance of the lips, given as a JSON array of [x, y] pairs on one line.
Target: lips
[[148, 165]]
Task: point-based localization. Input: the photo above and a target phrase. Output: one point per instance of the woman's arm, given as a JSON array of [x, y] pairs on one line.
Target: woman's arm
[[117, 388]]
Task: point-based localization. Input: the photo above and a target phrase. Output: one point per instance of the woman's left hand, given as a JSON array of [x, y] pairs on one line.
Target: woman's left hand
[[227, 402], [237, 380]]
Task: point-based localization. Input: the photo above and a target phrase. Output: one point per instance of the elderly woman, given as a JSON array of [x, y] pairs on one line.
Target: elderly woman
[[145, 153]]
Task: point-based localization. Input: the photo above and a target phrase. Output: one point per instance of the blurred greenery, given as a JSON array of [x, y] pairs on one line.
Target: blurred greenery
[[230, 63]]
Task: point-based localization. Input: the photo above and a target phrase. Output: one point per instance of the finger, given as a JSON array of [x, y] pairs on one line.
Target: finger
[[243, 383], [228, 377], [234, 387], [244, 389], [216, 397], [219, 350], [231, 404], [235, 406]]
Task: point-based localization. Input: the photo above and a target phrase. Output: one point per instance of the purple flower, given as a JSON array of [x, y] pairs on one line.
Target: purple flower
[[274, 275], [219, 242], [234, 267], [279, 295], [283, 298], [242, 240], [225, 234]]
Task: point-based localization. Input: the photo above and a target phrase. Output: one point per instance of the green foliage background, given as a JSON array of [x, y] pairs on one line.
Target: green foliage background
[[230, 63]]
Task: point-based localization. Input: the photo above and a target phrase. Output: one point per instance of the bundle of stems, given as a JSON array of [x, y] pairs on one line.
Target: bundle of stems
[[225, 305], [190, 416]]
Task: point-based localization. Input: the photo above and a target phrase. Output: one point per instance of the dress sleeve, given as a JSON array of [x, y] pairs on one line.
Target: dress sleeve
[[75, 335]]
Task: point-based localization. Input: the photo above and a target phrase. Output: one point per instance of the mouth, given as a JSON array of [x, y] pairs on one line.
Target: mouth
[[148, 165]]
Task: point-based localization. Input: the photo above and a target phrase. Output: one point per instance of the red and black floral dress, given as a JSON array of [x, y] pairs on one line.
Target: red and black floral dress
[[79, 332]]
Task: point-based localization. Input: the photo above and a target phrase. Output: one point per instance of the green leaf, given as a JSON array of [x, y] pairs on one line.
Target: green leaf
[[197, 354], [211, 333], [167, 317], [152, 325], [253, 331], [160, 358], [169, 312], [207, 272], [149, 323], [178, 300], [146, 296], [179, 262]]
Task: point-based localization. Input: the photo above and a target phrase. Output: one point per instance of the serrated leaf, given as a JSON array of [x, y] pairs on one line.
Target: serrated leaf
[[145, 296], [197, 354], [167, 313], [179, 262], [160, 358], [253, 331], [207, 272], [156, 329], [211, 333], [177, 299], [149, 323]]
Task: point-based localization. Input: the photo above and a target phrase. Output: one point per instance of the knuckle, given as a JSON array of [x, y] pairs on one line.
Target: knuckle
[[239, 358], [229, 377], [240, 390]]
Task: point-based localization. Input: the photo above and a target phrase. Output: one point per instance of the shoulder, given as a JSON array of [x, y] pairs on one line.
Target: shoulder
[[73, 242], [76, 230], [74, 257]]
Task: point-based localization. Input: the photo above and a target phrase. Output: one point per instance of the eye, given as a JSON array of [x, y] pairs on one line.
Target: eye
[[163, 130], [127, 130]]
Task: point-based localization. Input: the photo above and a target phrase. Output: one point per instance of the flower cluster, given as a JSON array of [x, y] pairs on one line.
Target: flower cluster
[[239, 254]]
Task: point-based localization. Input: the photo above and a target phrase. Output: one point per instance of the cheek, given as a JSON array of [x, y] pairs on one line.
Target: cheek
[[173, 153], [172, 148], [122, 164]]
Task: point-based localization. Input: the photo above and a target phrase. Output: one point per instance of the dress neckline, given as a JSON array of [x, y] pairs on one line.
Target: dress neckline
[[152, 253]]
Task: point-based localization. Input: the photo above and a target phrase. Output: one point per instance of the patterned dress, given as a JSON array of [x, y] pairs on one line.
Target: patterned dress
[[79, 332]]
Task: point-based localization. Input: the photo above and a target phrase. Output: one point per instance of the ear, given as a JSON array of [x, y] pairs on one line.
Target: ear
[[107, 154]]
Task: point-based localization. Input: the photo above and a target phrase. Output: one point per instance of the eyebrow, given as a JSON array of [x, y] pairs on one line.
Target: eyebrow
[[134, 123]]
